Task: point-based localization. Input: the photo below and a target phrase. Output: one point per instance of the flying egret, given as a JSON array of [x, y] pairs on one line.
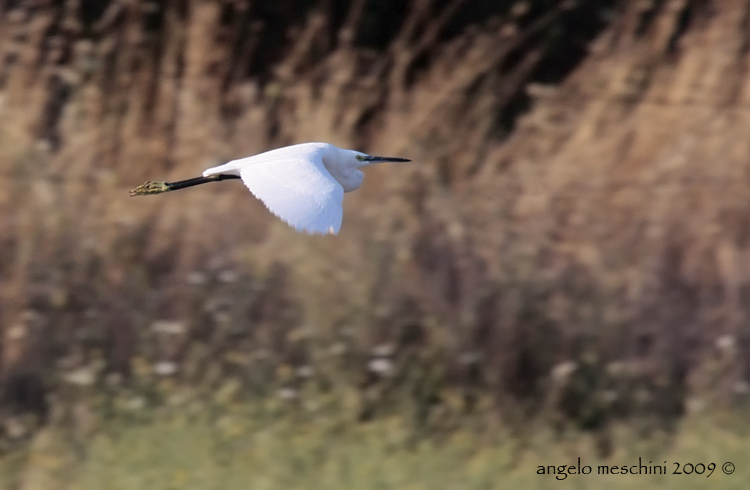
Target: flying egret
[[303, 184]]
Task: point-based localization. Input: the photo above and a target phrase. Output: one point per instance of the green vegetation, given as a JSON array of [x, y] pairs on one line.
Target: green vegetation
[[259, 446]]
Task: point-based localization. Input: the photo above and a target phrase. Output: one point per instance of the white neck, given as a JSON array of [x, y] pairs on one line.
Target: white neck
[[343, 167]]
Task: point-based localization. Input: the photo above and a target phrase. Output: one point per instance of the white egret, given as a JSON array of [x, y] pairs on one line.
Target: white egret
[[303, 184]]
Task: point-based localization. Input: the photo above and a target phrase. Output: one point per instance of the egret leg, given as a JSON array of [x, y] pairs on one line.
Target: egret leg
[[159, 187], [150, 188]]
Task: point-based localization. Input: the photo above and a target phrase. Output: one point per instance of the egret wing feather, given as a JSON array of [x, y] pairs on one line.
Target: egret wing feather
[[298, 189]]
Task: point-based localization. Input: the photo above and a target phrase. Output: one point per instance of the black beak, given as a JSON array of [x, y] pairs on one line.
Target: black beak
[[385, 159]]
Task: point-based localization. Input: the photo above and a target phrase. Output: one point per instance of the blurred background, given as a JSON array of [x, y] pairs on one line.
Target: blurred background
[[562, 272]]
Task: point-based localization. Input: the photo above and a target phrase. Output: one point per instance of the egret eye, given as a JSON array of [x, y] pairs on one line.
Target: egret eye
[[360, 157]]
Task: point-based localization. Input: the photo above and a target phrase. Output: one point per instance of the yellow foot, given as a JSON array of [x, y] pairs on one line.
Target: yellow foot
[[150, 188]]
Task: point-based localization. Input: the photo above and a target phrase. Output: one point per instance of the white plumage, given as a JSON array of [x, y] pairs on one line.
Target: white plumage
[[294, 184], [303, 184]]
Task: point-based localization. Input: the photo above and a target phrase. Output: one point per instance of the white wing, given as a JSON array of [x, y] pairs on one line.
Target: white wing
[[295, 187]]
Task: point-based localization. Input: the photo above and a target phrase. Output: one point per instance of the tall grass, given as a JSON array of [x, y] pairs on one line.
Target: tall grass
[[589, 268]]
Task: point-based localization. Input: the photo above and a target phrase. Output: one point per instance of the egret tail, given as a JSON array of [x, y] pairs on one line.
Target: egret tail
[[158, 187]]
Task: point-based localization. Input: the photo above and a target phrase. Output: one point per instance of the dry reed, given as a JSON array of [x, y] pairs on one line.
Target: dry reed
[[586, 268]]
